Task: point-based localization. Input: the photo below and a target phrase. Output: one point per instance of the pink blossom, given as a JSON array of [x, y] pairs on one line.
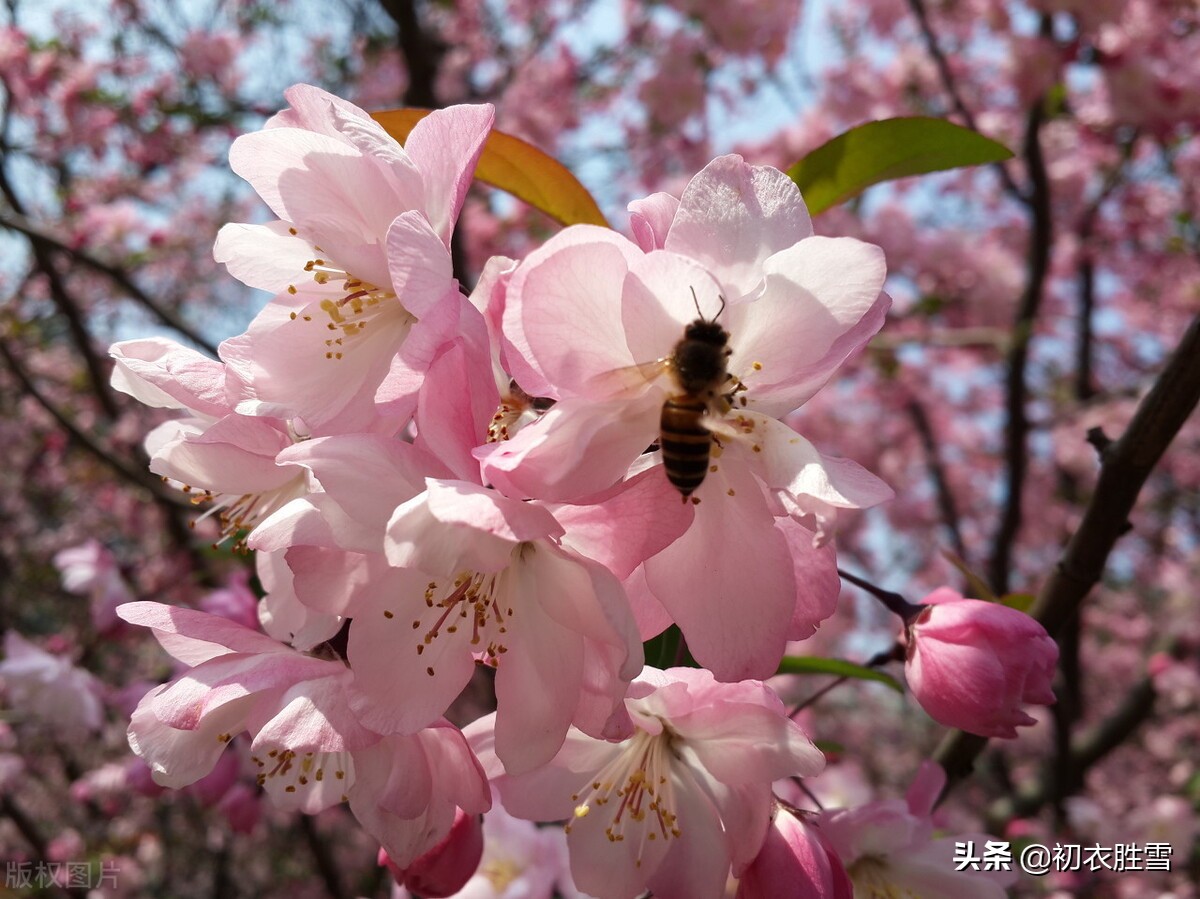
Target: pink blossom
[[91, 570], [520, 860], [888, 847], [796, 859], [408, 789], [235, 601], [206, 55], [973, 664], [310, 750], [242, 807], [360, 252], [674, 806], [49, 688], [227, 459], [469, 575], [241, 680], [444, 869], [282, 614], [587, 306]]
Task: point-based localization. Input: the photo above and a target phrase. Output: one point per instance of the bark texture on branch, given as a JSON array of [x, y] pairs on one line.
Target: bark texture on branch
[[1125, 465]]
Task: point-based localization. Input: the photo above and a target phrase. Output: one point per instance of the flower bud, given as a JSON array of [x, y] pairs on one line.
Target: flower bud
[[446, 868], [973, 664], [242, 808], [795, 860]]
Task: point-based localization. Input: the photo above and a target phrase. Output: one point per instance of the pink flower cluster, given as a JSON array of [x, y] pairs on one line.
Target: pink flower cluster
[[436, 483]]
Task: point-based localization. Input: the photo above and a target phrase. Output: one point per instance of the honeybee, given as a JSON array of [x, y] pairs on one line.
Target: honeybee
[[702, 386], [697, 363]]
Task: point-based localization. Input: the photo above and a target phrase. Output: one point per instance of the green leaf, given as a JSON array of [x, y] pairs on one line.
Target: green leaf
[[885, 150], [663, 651], [518, 167], [837, 667], [1022, 602], [979, 587], [830, 747]]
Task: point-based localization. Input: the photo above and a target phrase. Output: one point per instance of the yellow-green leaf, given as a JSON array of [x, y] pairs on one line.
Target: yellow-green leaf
[[978, 586], [1022, 602], [885, 150], [837, 667], [517, 167]]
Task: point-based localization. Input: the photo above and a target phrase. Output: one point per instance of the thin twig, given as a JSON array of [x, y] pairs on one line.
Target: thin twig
[[142, 479], [937, 471], [1016, 389], [116, 274], [1086, 277], [956, 100], [326, 864], [67, 306]]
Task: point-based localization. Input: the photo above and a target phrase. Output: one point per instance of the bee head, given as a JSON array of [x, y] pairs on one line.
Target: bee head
[[708, 332]]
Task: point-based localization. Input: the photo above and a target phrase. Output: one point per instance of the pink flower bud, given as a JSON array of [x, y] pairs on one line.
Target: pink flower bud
[[446, 868], [973, 664], [242, 807], [795, 860]]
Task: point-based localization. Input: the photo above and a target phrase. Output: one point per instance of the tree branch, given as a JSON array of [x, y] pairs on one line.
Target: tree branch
[[422, 54], [945, 496], [29, 830], [956, 100], [1134, 710], [83, 440], [1125, 466], [80, 335], [1016, 390], [327, 866], [116, 274]]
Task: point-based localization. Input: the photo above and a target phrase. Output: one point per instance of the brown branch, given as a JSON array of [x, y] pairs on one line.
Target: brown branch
[[1125, 466], [422, 53], [1016, 390], [116, 274], [1134, 710], [29, 830], [1085, 388], [937, 471], [948, 82], [78, 436], [62, 298], [327, 866], [1084, 343], [174, 506]]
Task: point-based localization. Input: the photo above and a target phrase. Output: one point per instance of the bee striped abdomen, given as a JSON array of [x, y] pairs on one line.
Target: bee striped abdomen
[[685, 442]]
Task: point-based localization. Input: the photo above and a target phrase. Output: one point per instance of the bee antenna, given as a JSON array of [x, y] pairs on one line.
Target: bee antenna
[[700, 314]]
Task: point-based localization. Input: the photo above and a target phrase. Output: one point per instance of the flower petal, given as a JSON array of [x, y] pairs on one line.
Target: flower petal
[[445, 146], [403, 682], [731, 556], [732, 216], [563, 310], [194, 637], [418, 263], [650, 220], [822, 301], [161, 373], [577, 449]]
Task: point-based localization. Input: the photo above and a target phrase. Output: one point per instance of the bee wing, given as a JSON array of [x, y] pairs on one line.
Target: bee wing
[[719, 427], [630, 380]]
